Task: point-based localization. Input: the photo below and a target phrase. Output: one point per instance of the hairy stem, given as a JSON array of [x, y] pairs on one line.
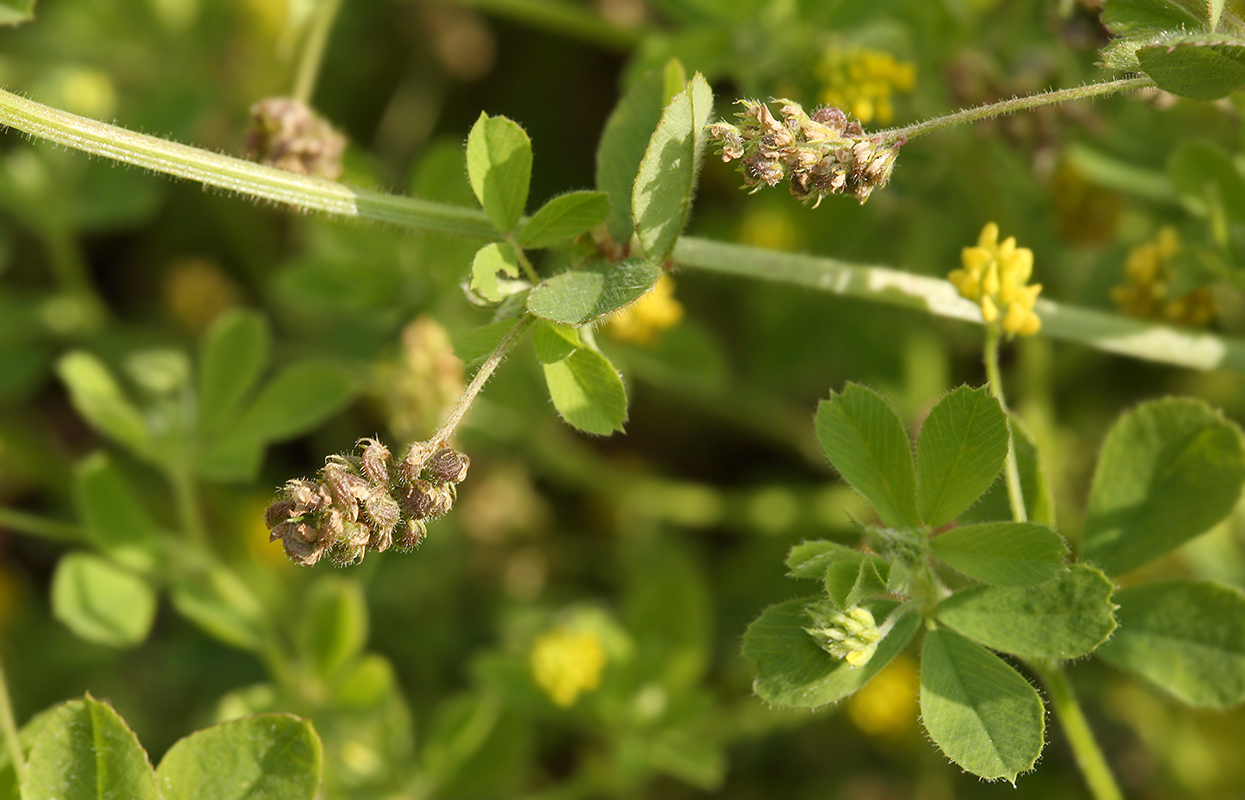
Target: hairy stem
[[1011, 471], [455, 417], [1013, 105], [1089, 757], [314, 45], [237, 175], [8, 725]]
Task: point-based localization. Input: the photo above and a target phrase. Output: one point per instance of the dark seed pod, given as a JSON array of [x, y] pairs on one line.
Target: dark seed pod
[[448, 466], [346, 554], [418, 499], [301, 552], [381, 539], [382, 510], [307, 496], [409, 535], [376, 461], [332, 527], [346, 488], [278, 512]]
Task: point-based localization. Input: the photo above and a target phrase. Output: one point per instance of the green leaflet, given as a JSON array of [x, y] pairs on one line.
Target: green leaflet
[[1003, 553], [595, 290], [794, 672], [499, 167], [101, 601], [85, 751], [586, 390], [231, 356], [1066, 617], [488, 262], [563, 218], [1168, 471], [662, 195], [15, 12], [622, 147], [115, 519], [333, 625], [979, 711], [98, 397], [959, 453], [867, 444], [276, 756], [1187, 637]]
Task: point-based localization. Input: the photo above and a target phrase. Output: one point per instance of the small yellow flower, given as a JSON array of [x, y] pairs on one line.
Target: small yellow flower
[[861, 81], [566, 663], [996, 276], [643, 320], [1148, 273]]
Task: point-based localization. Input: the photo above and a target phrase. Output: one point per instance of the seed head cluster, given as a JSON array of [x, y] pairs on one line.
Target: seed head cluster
[[825, 153], [366, 502]]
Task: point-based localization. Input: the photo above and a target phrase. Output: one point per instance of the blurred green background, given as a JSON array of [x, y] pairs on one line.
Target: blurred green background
[[661, 544]]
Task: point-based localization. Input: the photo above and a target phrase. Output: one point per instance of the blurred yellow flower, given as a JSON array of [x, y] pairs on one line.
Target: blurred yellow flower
[[995, 275], [886, 705], [861, 81], [1148, 273], [566, 663], [643, 320]]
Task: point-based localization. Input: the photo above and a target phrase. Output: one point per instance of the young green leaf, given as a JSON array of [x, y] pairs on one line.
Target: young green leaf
[[1198, 67], [101, 601], [622, 146], [849, 583], [499, 166], [995, 504], [867, 444], [85, 751], [15, 12], [1066, 617], [1187, 637], [333, 625], [276, 756], [794, 672], [232, 355], [229, 459], [662, 195], [1141, 23], [811, 559], [297, 399], [959, 453], [1168, 471], [581, 295], [554, 342], [980, 712], [1003, 553], [587, 392], [563, 218], [114, 518], [490, 260], [98, 397]]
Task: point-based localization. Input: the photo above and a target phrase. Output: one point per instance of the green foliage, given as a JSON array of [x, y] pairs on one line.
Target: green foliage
[[1003, 553], [267, 755], [623, 144], [1181, 46], [582, 295], [490, 260], [982, 713], [115, 520], [564, 217], [959, 453], [102, 601], [1168, 471], [499, 164], [15, 12], [1187, 637], [662, 196]]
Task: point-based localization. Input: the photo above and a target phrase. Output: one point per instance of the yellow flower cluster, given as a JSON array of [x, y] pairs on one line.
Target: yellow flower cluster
[[647, 317], [1148, 273], [861, 81], [995, 276], [566, 663]]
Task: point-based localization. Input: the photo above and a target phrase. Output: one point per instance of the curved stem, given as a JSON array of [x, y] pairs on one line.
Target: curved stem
[[455, 417], [314, 45], [525, 263], [1011, 471], [1089, 757], [8, 725], [38, 526], [1012, 106], [189, 511]]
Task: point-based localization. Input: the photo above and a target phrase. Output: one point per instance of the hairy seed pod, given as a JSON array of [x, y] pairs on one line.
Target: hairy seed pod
[[278, 512], [346, 554], [381, 539], [409, 535], [332, 527], [448, 466], [382, 511], [301, 552], [413, 463], [307, 496], [376, 461], [418, 499]]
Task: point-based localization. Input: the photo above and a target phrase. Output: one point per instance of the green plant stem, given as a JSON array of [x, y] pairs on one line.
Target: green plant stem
[[314, 45], [1011, 471], [1089, 757], [524, 262], [565, 19], [455, 417], [1013, 105], [1108, 332], [237, 175], [189, 510], [9, 727], [38, 526]]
